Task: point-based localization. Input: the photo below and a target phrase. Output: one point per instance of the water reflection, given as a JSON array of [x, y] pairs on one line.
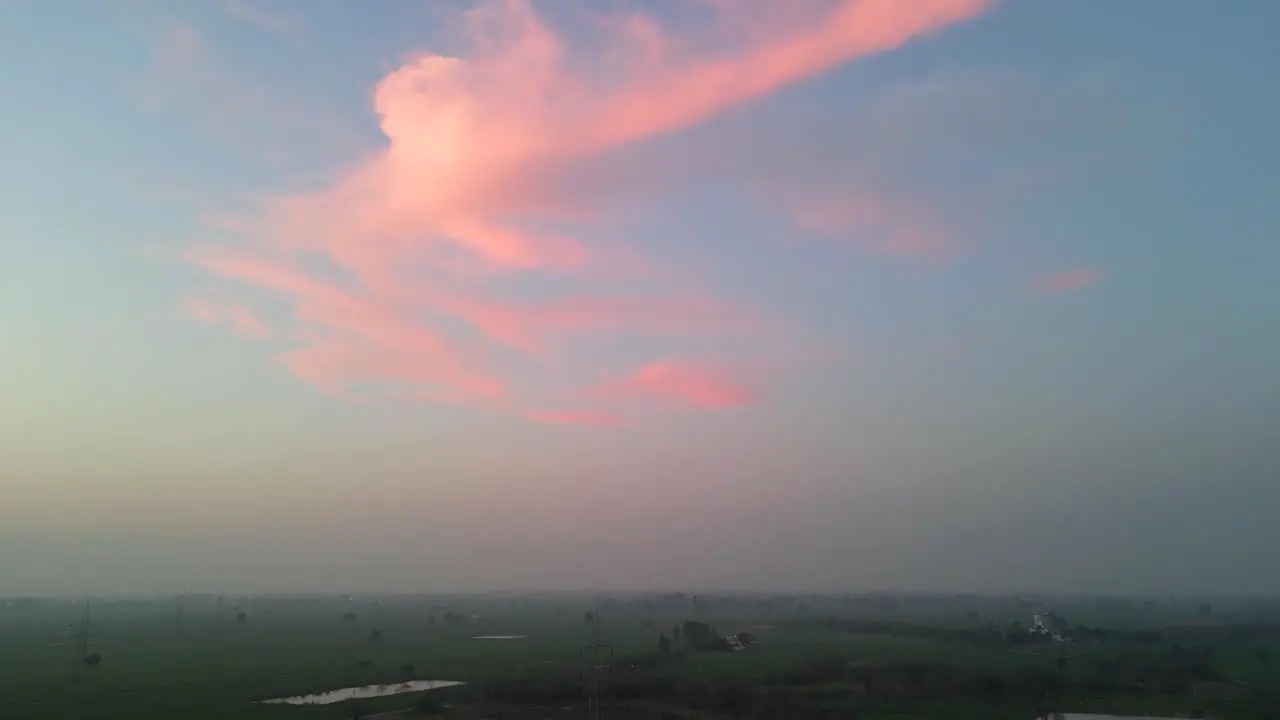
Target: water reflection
[[364, 691], [1082, 716]]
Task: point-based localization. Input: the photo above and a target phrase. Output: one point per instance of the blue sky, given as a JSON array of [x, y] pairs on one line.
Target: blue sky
[[999, 284]]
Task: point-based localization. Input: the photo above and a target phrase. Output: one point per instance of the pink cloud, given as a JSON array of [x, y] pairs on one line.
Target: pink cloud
[[875, 224], [184, 70], [686, 384], [527, 326], [187, 75], [432, 245], [683, 96], [347, 338], [577, 417], [239, 318], [269, 21], [1065, 281]]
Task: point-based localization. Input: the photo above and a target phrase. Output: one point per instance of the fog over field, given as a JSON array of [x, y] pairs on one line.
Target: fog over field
[[846, 296]]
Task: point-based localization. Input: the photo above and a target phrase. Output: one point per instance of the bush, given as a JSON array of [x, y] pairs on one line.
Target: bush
[[815, 671], [988, 687], [637, 689], [536, 691], [428, 705]]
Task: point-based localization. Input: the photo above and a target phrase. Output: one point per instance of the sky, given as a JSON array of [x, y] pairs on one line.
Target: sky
[[846, 295]]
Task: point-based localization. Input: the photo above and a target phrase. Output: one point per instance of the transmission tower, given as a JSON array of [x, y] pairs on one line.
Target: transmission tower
[[84, 631], [595, 662], [83, 637]]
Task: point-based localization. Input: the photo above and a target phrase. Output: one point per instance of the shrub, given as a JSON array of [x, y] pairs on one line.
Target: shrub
[[428, 705]]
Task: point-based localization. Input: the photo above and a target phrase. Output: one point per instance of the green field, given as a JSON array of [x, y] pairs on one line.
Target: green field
[[812, 657]]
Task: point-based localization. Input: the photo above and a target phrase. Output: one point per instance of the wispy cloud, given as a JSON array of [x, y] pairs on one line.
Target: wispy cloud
[[239, 318], [685, 384], [879, 225], [273, 22], [187, 76], [457, 247], [577, 417], [927, 168], [1065, 281], [347, 338]]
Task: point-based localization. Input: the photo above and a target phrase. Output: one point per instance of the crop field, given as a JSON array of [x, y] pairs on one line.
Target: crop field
[[221, 657]]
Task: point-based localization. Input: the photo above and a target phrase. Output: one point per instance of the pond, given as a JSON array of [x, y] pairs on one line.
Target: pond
[[498, 637], [364, 691], [1082, 716]]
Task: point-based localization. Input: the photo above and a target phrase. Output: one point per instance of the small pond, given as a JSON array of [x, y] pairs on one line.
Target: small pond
[[1082, 716], [364, 691]]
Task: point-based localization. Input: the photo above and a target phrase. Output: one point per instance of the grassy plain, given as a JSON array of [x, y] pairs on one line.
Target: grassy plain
[[923, 657]]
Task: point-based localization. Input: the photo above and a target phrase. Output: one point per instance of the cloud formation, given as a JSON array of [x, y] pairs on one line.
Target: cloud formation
[[266, 118], [271, 22], [1065, 281], [686, 384], [239, 318], [876, 224], [454, 266], [577, 417]]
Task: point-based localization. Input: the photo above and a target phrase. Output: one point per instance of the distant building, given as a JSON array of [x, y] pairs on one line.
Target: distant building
[[1047, 626]]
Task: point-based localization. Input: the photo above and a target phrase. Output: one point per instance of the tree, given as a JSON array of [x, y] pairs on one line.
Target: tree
[[241, 616], [349, 616], [1056, 623], [697, 634], [588, 617], [664, 645], [93, 660], [991, 687], [746, 639], [375, 636], [407, 670], [428, 705], [675, 632], [1206, 609]]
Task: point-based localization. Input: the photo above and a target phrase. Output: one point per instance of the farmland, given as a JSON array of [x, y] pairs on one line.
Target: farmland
[[810, 656]]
